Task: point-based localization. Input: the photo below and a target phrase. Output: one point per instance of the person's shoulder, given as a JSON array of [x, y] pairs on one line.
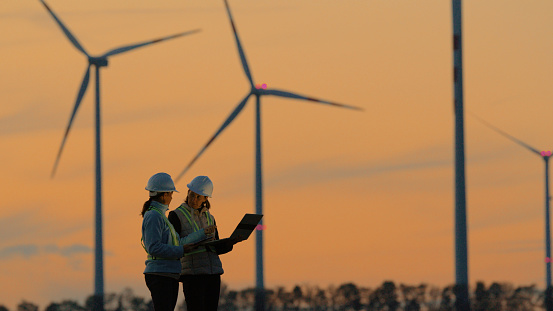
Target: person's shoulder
[[151, 215], [177, 210], [172, 214], [181, 206], [210, 214]]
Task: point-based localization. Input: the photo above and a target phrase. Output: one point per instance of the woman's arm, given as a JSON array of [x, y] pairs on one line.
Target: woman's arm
[[152, 233], [174, 220], [191, 238]]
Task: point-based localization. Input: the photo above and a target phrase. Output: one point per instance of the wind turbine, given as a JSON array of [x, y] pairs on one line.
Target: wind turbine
[[97, 62], [257, 91], [461, 249], [545, 155]]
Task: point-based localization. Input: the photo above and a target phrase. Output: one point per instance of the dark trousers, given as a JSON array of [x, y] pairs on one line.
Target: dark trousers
[[164, 290], [201, 292]]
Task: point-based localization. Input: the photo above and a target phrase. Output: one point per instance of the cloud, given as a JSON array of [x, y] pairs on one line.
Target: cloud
[[519, 246], [311, 172], [22, 226], [30, 250], [68, 251], [18, 250]]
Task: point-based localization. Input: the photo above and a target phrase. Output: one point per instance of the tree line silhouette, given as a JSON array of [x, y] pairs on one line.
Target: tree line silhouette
[[348, 296]]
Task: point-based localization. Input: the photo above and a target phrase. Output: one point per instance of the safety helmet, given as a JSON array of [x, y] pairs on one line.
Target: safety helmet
[[201, 185], [160, 182]]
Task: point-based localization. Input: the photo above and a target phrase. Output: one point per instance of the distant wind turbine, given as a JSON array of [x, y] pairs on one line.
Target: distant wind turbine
[[462, 302], [545, 155], [97, 62], [257, 91]]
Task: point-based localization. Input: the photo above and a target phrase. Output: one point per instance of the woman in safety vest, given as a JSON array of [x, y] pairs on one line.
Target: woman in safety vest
[[201, 267], [161, 242]]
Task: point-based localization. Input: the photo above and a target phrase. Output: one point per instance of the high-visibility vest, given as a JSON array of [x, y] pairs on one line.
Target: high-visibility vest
[[193, 223], [174, 237]]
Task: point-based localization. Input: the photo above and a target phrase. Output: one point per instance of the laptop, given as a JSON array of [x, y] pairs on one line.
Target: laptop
[[242, 231]]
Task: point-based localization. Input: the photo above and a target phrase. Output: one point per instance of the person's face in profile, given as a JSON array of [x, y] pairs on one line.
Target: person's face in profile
[[195, 200], [167, 197]]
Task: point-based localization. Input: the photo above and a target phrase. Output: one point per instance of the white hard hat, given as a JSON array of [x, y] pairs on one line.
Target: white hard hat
[[160, 182], [201, 185]]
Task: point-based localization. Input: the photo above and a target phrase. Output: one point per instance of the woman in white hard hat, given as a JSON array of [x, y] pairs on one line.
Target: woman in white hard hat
[[161, 242], [201, 267]]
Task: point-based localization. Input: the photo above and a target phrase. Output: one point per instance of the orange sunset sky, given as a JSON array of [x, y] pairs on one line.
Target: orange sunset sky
[[349, 196]]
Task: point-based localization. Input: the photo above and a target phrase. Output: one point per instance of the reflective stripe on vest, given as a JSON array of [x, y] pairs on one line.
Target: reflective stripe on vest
[[193, 223], [174, 238]]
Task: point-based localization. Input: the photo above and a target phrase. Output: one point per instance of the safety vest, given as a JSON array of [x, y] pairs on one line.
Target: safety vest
[[173, 239], [193, 223]]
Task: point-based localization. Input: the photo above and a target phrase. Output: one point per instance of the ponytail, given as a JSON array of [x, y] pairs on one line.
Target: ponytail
[[146, 205]]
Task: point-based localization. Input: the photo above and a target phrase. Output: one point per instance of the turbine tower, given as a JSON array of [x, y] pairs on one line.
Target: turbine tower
[[97, 62], [461, 254], [257, 91], [545, 155]]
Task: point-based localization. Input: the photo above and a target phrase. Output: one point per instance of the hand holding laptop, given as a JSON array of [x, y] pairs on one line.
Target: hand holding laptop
[[242, 231], [210, 230]]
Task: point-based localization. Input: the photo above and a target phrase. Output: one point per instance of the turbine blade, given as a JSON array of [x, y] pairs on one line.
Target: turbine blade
[[80, 95], [141, 44], [65, 30], [523, 144], [239, 45], [230, 118], [292, 95]]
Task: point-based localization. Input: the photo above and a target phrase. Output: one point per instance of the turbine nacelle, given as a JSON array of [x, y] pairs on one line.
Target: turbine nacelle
[[101, 61], [258, 89]]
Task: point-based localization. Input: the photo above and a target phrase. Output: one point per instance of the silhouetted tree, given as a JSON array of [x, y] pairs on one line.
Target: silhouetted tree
[[246, 298], [524, 298], [432, 301], [297, 297], [481, 299], [364, 296], [309, 293], [27, 306], [348, 297], [3, 308], [384, 297], [53, 307], [320, 300], [66, 305], [229, 300], [138, 304], [497, 294], [413, 296], [447, 301]]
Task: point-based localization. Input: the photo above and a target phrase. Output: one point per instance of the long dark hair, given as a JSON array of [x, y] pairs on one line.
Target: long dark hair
[[146, 205], [205, 204]]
